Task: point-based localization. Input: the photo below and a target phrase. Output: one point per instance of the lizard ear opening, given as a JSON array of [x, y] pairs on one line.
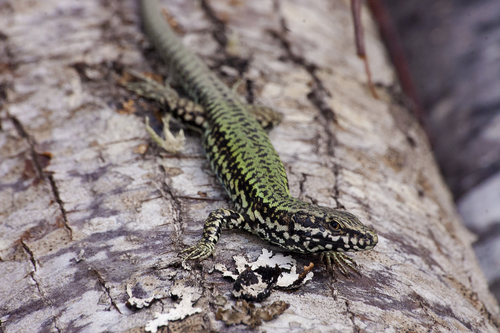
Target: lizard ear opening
[[305, 220]]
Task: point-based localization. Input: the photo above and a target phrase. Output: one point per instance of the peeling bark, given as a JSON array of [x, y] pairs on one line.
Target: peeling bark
[[101, 216]]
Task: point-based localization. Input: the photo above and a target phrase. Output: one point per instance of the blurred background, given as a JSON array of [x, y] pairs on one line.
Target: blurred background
[[451, 52]]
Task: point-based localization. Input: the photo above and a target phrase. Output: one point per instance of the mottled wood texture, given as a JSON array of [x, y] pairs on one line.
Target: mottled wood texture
[[453, 53], [131, 213]]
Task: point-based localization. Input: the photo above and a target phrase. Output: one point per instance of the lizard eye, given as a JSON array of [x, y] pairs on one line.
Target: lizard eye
[[334, 225]]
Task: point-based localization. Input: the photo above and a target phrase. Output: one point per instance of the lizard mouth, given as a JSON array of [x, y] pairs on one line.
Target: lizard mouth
[[338, 243]]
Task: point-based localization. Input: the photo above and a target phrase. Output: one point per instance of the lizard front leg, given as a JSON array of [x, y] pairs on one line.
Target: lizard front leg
[[218, 219]]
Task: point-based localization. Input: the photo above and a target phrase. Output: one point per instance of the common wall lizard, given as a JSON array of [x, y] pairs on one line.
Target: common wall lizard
[[246, 163]]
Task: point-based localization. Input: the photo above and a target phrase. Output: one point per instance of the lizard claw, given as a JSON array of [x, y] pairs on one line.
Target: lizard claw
[[201, 251], [341, 261]]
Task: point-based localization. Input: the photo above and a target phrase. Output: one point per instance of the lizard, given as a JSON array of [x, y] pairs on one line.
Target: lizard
[[239, 151]]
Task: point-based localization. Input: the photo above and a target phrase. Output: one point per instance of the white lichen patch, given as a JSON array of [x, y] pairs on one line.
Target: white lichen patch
[[182, 310], [189, 295], [225, 272], [139, 303], [286, 280], [288, 277]]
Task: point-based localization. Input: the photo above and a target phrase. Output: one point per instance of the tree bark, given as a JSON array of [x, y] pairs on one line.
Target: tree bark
[[449, 54], [86, 212]]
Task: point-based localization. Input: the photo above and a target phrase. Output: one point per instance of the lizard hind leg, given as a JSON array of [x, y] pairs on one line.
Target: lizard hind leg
[[266, 117], [146, 87], [188, 112], [172, 143]]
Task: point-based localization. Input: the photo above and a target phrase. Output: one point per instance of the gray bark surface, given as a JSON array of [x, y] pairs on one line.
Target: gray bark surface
[[85, 213], [452, 53]]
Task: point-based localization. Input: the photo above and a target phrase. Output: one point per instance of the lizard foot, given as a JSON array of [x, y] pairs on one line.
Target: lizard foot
[[341, 261], [201, 251], [172, 143]]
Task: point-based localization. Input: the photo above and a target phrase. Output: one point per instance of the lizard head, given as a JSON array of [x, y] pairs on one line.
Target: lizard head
[[323, 229]]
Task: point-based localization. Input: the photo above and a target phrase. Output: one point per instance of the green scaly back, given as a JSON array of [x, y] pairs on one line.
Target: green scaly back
[[246, 163]]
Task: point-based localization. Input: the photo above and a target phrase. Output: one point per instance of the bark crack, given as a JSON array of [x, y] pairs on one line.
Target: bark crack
[[30, 253], [435, 323], [102, 282], [336, 191], [168, 194], [32, 275], [177, 205], [45, 298], [40, 173], [37, 285], [352, 316], [31, 143], [302, 181], [55, 192], [318, 97], [303, 194], [319, 93], [219, 33], [472, 297]]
